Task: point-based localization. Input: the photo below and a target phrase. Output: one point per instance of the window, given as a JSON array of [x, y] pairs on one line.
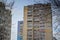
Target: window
[[36, 38], [36, 14], [35, 10], [36, 24], [36, 34], [29, 38], [42, 35], [29, 32], [49, 24], [29, 35], [42, 25], [42, 18], [36, 19], [35, 31], [29, 13], [29, 18], [30, 24]]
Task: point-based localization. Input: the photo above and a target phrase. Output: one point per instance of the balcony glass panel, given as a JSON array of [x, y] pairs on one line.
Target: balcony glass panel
[[29, 13], [30, 24], [36, 19], [29, 19], [36, 25], [29, 39]]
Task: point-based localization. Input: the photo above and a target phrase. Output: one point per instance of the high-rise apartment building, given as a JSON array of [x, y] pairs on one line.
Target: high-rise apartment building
[[20, 30], [37, 22], [5, 22]]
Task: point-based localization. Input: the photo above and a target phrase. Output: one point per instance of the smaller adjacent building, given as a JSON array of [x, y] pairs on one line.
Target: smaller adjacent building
[[20, 30]]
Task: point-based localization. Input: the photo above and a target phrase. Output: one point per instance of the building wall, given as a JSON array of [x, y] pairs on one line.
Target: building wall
[[37, 22], [25, 24], [20, 30]]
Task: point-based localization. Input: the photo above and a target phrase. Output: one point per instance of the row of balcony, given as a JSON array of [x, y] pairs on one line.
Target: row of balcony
[[36, 36], [39, 20], [37, 14], [34, 14], [37, 25], [36, 18], [33, 20], [37, 8]]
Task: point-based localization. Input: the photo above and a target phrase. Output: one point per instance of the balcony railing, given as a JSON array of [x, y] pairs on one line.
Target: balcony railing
[[30, 25], [29, 32], [29, 19], [36, 13], [36, 25], [29, 13], [36, 19]]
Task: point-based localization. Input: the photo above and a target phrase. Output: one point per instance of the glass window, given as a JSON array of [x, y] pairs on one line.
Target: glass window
[[29, 18], [42, 25], [42, 35], [29, 32], [36, 24], [29, 38], [30, 24], [36, 19]]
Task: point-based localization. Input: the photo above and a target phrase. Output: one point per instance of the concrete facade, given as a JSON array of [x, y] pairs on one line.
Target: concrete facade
[[20, 30], [37, 22]]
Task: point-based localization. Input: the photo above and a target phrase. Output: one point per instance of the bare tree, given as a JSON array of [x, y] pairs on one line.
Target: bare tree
[[2, 21], [10, 4]]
